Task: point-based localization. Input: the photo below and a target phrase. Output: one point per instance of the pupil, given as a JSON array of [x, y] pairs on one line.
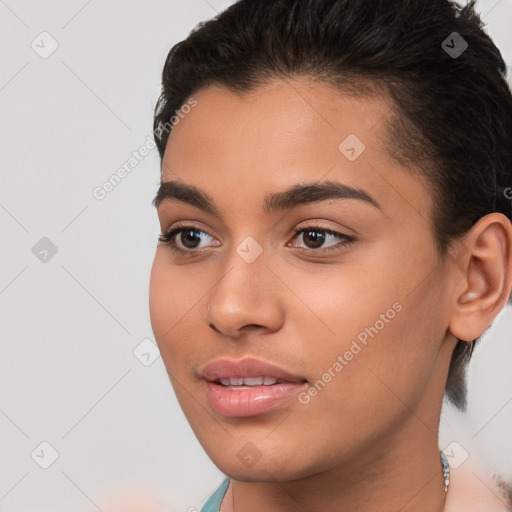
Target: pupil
[[317, 238]]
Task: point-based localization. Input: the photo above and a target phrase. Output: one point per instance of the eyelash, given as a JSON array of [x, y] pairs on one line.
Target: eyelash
[[167, 238]]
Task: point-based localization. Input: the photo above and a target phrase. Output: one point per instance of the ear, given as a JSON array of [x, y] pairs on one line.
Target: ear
[[486, 280]]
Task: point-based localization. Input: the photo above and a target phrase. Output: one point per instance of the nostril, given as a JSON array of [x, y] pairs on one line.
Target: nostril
[[214, 328]]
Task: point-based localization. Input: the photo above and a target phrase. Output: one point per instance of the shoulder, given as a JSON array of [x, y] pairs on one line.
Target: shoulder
[[214, 501], [471, 491]]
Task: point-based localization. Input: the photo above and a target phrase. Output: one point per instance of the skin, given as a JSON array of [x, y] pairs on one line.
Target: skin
[[368, 441]]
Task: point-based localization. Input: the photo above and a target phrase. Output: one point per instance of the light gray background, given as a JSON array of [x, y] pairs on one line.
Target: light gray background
[[68, 373]]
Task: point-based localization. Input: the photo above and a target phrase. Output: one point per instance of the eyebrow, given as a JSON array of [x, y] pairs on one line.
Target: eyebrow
[[295, 196]]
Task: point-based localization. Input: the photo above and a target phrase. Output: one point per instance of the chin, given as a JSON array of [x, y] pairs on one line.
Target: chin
[[262, 473], [264, 464]]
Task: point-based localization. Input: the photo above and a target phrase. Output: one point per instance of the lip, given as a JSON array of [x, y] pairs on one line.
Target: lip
[[248, 401]]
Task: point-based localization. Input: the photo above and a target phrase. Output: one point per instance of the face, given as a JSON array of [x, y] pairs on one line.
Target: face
[[335, 295]]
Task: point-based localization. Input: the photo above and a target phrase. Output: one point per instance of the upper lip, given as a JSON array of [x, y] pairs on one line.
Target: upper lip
[[248, 367]]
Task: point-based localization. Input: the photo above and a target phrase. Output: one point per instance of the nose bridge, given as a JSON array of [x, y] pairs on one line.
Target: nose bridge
[[243, 295]]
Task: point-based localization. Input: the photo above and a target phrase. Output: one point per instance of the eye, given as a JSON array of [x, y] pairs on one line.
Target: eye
[[185, 239], [189, 239], [316, 237]]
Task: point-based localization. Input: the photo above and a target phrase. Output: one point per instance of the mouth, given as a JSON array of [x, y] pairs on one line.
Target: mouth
[[249, 382], [248, 387]]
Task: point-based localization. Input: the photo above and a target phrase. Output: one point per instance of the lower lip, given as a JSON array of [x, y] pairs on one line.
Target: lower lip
[[250, 401]]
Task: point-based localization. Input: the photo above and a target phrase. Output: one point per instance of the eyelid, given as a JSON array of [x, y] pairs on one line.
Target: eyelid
[[187, 224], [317, 224]]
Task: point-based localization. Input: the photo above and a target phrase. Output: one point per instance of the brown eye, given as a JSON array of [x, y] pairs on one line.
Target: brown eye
[[186, 239], [313, 238], [317, 239], [190, 238]]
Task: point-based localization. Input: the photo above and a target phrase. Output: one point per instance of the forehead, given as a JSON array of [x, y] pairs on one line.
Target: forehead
[[285, 132], [298, 116]]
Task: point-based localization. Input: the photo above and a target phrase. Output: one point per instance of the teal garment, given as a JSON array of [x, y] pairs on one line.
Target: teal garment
[[214, 501]]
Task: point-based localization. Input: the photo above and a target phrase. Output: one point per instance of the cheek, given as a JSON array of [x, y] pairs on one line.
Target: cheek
[[162, 297], [174, 306], [336, 304], [384, 376], [374, 330]]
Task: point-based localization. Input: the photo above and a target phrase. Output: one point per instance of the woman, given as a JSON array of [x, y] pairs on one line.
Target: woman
[[336, 237]]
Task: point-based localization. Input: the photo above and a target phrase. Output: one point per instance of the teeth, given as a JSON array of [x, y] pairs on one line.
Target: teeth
[[253, 381], [248, 381]]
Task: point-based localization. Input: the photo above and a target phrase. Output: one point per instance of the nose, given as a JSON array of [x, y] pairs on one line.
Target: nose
[[246, 298]]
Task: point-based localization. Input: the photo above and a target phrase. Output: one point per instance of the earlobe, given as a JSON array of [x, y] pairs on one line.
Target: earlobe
[[487, 277]]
